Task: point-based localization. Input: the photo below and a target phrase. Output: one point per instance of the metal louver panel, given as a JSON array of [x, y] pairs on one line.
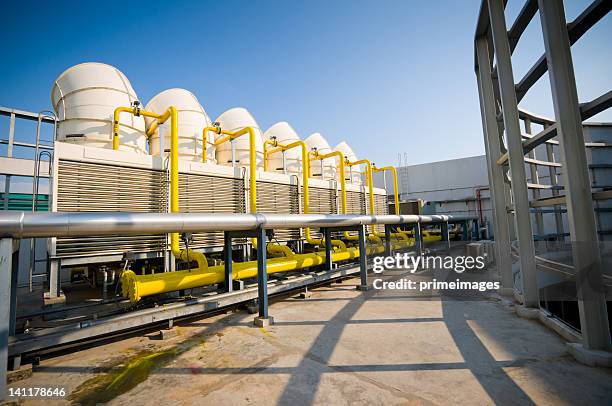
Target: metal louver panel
[[210, 194], [381, 207], [355, 204], [280, 199], [322, 201], [108, 188]]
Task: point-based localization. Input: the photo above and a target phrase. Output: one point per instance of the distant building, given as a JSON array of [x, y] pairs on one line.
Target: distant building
[[457, 186]]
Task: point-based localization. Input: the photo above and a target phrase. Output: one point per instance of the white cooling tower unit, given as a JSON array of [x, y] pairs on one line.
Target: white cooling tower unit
[[352, 174], [327, 166], [285, 134], [192, 119], [233, 120], [85, 97]]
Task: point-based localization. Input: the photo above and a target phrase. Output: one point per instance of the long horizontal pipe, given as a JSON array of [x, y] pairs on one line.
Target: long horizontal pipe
[[16, 224]]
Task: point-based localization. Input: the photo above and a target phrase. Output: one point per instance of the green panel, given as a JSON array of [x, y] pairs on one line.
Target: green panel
[[23, 202]]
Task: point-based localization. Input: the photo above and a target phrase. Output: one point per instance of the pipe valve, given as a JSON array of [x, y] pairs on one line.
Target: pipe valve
[[136, 106]]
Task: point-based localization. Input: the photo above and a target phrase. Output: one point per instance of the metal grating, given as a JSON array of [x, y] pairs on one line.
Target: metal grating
[[108, 188]]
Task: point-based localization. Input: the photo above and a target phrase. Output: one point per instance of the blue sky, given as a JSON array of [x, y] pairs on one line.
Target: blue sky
[[387, 76]]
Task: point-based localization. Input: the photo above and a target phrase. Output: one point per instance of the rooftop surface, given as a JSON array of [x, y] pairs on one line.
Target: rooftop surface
[[339, 346]]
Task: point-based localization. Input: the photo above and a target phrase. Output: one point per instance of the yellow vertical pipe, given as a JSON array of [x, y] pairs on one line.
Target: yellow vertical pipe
[[395, 190], [216, 130], [116, 115], [266, 152]]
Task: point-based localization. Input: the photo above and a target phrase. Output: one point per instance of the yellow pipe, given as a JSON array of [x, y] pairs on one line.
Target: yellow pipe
[[138, 286], [305, 183], [216, 130], [229, 136], [266, 152], [171, 113], [116, 116], [400, 234], [395, 191], [340, 167]]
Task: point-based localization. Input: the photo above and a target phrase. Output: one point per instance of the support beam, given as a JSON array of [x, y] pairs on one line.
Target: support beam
[[515, 152], [227, 257], [262, 274], [328, 248], [497, 186], [445, 235], [388, 240], [583, 230], [418, 239], [363, 261]]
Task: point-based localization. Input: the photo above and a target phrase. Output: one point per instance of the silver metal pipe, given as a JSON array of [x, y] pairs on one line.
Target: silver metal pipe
[[77, 224]]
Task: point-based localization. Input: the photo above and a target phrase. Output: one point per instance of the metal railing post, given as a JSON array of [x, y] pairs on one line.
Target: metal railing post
[[6, 259], [515, 153], [579, 201]]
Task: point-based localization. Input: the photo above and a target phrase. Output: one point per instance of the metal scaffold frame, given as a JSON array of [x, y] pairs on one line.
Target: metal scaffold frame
[[506, 144]]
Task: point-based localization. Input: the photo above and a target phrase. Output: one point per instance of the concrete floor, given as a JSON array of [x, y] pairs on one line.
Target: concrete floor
[[340, 346]]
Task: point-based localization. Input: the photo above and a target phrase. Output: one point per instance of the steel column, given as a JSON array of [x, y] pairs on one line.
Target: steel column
[[328, 249], [262, 273], [6, 259], [388, 240], [54, 278], [445, 235], [579, 201], [363, 264], [418, 239], [496, 173], [227, 254], [515, 153]]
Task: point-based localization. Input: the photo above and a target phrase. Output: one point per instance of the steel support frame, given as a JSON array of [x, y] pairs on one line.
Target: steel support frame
[[262, 269], [579, 201], [510, 115], [493, 149], [363, 262]]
